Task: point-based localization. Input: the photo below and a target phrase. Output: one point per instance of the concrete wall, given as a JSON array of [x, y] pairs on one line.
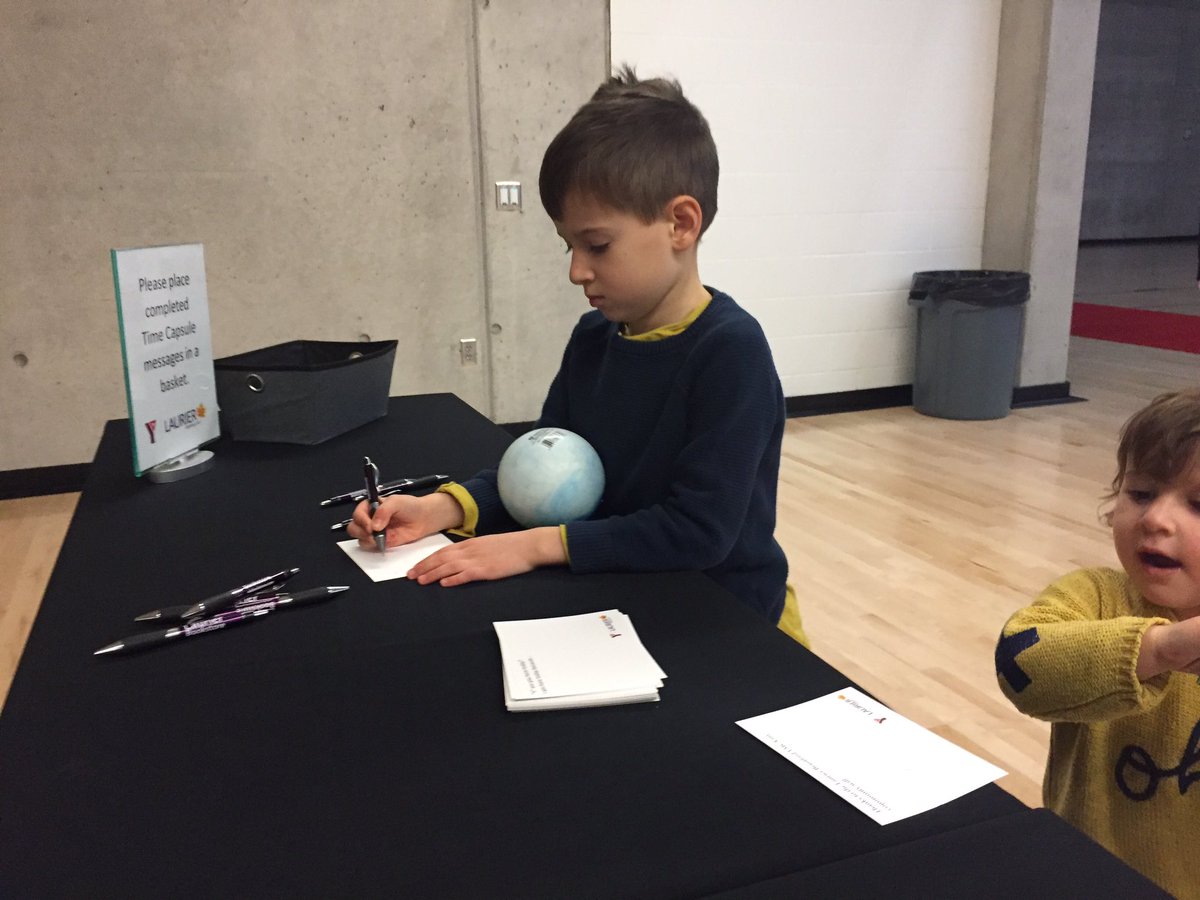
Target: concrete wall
[[1143, 162], [1039, 141], [336, 163], [535, 71]]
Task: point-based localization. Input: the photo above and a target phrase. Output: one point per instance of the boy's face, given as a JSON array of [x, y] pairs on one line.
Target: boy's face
[[1156, 531], [630, 270]]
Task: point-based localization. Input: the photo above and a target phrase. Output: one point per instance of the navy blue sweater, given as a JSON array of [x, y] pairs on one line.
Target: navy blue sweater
[[689, 430]]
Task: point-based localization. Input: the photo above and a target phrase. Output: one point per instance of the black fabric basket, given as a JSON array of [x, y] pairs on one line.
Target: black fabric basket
[[303, 392]]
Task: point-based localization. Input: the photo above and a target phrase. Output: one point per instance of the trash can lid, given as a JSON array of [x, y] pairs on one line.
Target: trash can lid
[[978, 287]]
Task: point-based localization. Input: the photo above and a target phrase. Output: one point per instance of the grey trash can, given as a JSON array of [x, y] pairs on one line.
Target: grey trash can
[[968, 341]]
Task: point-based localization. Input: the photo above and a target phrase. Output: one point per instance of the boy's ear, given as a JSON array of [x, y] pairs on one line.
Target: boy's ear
[[686, 218]]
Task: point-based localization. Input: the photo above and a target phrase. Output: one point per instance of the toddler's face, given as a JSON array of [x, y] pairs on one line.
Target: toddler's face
[[1156, 530]]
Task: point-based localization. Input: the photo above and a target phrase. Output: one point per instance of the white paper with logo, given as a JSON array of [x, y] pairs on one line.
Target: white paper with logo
[[886, 765]]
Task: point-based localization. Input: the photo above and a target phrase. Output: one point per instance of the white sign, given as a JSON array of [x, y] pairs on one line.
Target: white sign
[[166, 342], [886, 765]]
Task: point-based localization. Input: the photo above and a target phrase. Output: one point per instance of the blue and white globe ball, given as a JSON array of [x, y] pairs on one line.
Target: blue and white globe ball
[[550, 476]]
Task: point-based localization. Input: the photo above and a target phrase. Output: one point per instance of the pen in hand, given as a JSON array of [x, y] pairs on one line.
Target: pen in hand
[[250, 609], [219, 601], [371, 476]]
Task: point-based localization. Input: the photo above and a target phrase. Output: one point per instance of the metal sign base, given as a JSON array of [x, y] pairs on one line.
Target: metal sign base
[[182, 467]]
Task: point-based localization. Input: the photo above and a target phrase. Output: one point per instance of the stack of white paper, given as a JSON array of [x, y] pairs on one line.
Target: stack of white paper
[[595, 659]]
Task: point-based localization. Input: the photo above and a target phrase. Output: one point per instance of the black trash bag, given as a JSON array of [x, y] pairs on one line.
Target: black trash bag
[[976, 287]]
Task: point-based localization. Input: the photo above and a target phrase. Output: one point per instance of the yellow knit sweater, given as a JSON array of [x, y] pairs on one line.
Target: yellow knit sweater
[[1123, 753]]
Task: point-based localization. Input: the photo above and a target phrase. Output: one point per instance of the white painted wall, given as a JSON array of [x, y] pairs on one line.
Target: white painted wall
[[854, 141]]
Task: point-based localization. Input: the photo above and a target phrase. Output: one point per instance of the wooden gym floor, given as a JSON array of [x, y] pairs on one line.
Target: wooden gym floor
[[911, 539]]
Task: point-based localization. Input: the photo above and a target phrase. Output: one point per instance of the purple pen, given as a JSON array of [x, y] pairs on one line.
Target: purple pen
[[249, 609]]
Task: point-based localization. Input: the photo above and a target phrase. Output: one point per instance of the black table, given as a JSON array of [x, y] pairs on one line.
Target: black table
[[361, 747], [1031, 853]]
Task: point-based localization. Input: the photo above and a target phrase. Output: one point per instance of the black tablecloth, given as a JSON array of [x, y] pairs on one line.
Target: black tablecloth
[[360, 747], [1031, 853]]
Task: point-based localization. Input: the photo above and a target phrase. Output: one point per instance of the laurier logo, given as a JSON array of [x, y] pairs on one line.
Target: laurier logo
[[185, 419], [150, 428]]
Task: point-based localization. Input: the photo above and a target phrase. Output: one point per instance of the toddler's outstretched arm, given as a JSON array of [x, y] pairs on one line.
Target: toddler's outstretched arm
[[1075, 655]]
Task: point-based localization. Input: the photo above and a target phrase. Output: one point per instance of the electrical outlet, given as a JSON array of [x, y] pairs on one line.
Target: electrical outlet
[[468, 351]]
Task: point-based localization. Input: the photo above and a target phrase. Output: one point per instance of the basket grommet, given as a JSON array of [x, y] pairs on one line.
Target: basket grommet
[[255, 383]]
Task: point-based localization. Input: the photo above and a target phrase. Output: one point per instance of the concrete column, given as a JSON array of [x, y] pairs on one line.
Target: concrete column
[[1040, 122]]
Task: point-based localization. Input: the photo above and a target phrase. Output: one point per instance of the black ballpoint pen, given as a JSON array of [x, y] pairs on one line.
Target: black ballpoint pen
[[371, 477], [176, 613], [223, 601], [252, 610], [399, 486], [173, 613], [408, 485]]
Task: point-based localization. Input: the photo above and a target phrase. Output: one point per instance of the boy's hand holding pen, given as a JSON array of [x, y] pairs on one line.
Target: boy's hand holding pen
[[402, 517], [386, 489]]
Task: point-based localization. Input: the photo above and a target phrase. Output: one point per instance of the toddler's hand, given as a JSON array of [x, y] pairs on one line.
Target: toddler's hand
[[1170, 648]]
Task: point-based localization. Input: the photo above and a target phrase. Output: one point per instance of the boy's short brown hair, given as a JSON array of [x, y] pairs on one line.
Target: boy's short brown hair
[[635, 145], [1162, 440]]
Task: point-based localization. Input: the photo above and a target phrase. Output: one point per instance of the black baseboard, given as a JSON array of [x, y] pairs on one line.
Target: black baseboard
[[1164, 239], [849, 401], [41, 481], [1044, 395], [883, 398], [901, 395], [17, 483]]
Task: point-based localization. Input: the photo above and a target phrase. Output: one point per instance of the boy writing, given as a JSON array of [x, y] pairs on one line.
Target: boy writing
[[670, 381], [1111, 658]]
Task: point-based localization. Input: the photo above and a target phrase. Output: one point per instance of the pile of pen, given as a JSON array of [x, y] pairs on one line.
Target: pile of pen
[[240, 604], [374, 490]]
